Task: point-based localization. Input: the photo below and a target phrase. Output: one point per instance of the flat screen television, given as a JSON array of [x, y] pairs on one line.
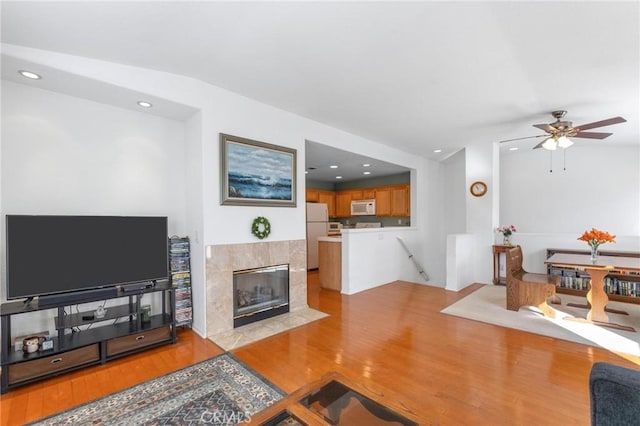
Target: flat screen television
[[49, 255]]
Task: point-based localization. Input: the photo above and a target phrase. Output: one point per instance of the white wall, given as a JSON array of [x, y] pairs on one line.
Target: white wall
[[194, 217], [459, 245], [455, 186], [481, 164], [373, 257], [460, 249], [600, 188], [66, 155], [427, 199]]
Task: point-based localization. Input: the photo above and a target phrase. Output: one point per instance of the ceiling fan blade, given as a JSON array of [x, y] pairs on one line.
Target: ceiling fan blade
[[544, 127], [526, 137], [539, 145], [608, 122], [592, 135]]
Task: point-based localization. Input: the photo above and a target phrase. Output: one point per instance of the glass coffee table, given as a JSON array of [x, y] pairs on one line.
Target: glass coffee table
[[335, 400]]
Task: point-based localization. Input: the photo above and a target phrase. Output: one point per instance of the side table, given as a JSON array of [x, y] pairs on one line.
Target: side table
[[497, 250]]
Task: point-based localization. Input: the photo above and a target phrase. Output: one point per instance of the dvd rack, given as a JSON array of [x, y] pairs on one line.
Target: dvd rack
[[180, 260]]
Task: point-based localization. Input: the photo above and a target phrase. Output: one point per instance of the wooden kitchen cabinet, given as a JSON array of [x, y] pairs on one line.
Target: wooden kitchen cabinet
[[400, 204], [383, 201], [356, 194], [329, 198], [393, 201], [322, 196], [343, 204], [369, 194], [344, 199], [390, 200], [312, 195]]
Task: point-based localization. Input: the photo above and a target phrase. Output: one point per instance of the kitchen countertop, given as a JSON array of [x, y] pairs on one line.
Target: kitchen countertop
[[331, 239]]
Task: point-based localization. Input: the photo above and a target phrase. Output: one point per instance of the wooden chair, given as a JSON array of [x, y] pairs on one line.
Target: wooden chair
[[526, 288]]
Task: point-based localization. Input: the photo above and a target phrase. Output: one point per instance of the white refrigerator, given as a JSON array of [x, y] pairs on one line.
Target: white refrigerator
[[317, 218]]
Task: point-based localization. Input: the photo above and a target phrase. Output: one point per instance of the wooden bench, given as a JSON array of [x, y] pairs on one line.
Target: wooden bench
[[527, 288]]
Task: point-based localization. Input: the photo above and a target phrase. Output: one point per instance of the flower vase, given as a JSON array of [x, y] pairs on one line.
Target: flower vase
[[506, 240], [594, 253]]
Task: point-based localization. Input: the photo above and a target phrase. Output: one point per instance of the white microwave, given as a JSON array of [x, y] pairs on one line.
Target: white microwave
[[334, 227], [363, 208]]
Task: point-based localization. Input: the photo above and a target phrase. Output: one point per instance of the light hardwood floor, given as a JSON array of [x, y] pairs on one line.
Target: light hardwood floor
[[447, 370]]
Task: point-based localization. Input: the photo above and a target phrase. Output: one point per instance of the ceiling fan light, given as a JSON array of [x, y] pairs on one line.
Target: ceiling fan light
[[564, 142], [550, 144]]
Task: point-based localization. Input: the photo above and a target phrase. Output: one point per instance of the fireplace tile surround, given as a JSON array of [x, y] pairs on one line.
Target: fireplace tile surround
[[222, 260], [268, 327]]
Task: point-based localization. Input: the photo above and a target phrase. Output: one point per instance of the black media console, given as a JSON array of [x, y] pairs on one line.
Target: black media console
[[123, 332]]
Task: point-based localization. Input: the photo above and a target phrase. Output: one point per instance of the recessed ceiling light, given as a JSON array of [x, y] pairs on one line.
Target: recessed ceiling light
[[513, 148], [366, 165], [145, 104], [366, 173], [437, 150], [333, 167], [306, 172], [29, 74], [338, 177]]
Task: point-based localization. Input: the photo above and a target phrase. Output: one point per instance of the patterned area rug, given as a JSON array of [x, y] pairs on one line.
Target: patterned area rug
[[219, 391]]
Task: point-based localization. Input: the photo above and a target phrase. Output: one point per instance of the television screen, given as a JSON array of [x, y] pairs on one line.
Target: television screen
[[57, 254]]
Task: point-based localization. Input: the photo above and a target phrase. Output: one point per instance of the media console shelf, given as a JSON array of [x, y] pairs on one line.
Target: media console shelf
[[620, 286], [96, 344]]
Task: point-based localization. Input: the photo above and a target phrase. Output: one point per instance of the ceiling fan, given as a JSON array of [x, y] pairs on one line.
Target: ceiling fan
[[559, 132]]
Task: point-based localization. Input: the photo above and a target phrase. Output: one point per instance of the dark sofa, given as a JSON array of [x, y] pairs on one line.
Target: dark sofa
[[615, 395]]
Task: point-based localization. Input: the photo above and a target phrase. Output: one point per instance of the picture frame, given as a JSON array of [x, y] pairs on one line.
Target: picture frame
[[255, 173]]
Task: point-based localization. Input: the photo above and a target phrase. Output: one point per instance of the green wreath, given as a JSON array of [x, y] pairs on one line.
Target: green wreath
[[261, 227]]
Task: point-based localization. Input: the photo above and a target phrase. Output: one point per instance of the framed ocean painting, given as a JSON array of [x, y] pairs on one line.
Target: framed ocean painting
[[257, 173]]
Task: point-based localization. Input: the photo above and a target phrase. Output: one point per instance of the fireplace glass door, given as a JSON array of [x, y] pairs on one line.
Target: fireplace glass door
[[260, 293]]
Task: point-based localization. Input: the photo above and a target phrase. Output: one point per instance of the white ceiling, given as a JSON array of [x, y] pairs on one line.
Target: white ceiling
[[413, 75], [350, 166]]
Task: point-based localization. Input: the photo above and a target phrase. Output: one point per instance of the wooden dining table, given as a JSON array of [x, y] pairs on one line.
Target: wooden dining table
[[597, 270]]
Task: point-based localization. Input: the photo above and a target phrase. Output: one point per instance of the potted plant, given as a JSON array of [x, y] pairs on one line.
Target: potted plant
[[506, 231], [594, 238]]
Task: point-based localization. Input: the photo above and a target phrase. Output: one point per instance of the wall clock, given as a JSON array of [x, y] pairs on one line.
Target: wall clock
[[478, 188]]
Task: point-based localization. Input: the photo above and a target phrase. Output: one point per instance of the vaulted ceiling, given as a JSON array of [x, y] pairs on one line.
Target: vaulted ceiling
[[418, 76]]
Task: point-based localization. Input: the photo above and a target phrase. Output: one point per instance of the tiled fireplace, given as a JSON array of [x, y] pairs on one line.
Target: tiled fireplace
[[223, 260], [260, 293]]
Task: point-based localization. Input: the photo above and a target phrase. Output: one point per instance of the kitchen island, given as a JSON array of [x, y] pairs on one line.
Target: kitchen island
[[361, 259], [330, 262]]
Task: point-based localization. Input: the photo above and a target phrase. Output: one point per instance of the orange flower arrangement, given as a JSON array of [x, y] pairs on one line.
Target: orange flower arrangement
[[595, 237]]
